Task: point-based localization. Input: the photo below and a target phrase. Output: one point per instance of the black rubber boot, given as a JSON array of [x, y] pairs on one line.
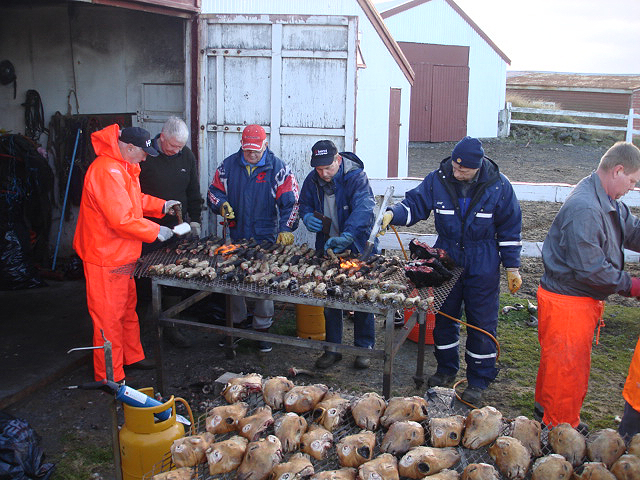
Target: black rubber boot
[[327, 359], [441, 380], [473, 395]]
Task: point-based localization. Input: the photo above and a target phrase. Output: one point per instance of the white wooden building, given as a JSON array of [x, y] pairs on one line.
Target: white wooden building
[[446, 34], [305, 70]]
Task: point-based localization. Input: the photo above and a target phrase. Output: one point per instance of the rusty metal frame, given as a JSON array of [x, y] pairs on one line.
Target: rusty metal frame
[[392, 342]]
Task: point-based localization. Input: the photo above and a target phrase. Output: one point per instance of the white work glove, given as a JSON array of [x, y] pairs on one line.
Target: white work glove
[[167, 206], [165, 234], [195, 228]]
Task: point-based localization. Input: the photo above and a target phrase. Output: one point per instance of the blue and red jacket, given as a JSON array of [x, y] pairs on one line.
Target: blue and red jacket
[[354, 201], [256, 197]]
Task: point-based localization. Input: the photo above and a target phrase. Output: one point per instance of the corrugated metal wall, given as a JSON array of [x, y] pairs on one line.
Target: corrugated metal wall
[[435, 22], [576, 100]]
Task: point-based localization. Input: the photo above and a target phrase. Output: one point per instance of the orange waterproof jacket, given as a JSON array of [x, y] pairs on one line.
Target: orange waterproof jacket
[[111, 227], [631, 392]]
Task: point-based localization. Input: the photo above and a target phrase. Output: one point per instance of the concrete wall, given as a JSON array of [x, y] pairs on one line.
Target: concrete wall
[[104, 54]]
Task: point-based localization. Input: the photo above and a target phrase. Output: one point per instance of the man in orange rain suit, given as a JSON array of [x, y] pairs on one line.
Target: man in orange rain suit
[[109, 234], [630, 424], [583, 257]]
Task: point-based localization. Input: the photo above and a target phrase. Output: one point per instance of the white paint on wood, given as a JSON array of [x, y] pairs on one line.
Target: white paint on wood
[[630, 132], [366, 111], [570, 113]]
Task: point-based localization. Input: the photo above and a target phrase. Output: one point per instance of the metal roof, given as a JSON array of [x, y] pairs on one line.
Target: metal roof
[[573, 80], [414, 3], [396, 52]]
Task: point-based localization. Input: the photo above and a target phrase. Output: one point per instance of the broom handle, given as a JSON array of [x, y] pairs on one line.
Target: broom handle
[[64, 203]]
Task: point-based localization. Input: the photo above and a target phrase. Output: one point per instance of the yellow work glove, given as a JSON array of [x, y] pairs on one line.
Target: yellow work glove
[[285, 238], [227, 211], [514, 280], [386, 220]]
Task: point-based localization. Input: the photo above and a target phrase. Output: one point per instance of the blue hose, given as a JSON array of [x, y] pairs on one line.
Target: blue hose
[[64, 203]]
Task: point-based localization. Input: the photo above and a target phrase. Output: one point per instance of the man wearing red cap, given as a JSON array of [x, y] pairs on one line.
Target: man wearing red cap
[[109, 234], [478, 220], [258, 191]]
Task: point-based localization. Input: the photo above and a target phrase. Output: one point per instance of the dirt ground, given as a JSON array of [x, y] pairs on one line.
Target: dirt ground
[[58, 414]]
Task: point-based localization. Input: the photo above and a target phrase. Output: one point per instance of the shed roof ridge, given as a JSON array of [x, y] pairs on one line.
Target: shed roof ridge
[[414, 3], [380, 27]]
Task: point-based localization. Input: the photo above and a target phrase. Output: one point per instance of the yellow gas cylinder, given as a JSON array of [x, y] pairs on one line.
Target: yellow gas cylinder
[[145, 441], [310, 322]]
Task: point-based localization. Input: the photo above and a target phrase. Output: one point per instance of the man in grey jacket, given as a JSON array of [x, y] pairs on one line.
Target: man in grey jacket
[[583, 257]]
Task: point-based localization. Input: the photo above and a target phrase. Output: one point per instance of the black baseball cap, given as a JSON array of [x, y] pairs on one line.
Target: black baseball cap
[[323, 153], [140, 138]]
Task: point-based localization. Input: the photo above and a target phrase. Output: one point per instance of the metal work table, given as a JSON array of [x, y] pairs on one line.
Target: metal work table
[[392, 340]]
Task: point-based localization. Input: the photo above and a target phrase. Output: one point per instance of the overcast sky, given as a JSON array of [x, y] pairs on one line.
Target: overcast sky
[[584, 36]]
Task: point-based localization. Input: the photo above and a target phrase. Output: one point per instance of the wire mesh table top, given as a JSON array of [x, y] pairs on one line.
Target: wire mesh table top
[[441, 403], [142, 268]]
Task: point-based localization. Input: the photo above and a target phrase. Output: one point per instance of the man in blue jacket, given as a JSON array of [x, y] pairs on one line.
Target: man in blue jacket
[[478, 220], [339, 189], [258, 191]]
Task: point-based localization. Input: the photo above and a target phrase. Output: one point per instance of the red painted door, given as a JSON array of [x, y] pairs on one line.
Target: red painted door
[[421, 94], [438, 105], [394, 131], [449, 103]]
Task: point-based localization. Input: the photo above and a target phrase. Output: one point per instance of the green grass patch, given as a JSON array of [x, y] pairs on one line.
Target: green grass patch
[[284, 323], [80, 458]]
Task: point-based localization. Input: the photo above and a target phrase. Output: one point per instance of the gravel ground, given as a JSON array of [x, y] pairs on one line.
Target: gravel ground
[[56, 413]]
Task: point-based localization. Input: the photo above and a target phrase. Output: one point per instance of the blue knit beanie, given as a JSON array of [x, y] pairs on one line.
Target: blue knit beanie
[[468, 153]]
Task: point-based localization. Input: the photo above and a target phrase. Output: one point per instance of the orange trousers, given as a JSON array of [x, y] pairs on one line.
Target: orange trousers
[[566, 326], [111, 298], [631, 392]]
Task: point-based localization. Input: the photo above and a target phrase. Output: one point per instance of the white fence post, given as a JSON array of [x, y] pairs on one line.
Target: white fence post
[[629, 137]]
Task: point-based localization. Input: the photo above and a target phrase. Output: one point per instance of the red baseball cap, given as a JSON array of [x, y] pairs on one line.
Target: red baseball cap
[[253, 137]]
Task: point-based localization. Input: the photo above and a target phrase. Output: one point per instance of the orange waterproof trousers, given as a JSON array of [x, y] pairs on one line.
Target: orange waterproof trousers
[[111, 299], [566, 326], [631, 392]]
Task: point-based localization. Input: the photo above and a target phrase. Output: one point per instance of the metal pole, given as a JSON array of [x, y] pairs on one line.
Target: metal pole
[[64, 203], [389, 354], [156, 307], [422, 331], [115, 439]]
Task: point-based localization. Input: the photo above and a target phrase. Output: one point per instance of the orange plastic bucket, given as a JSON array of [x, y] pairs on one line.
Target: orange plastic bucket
[[414, 334]]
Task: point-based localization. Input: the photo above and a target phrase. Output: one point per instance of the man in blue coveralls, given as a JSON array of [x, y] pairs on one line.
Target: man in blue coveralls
[[478, 220], [338, 189]]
